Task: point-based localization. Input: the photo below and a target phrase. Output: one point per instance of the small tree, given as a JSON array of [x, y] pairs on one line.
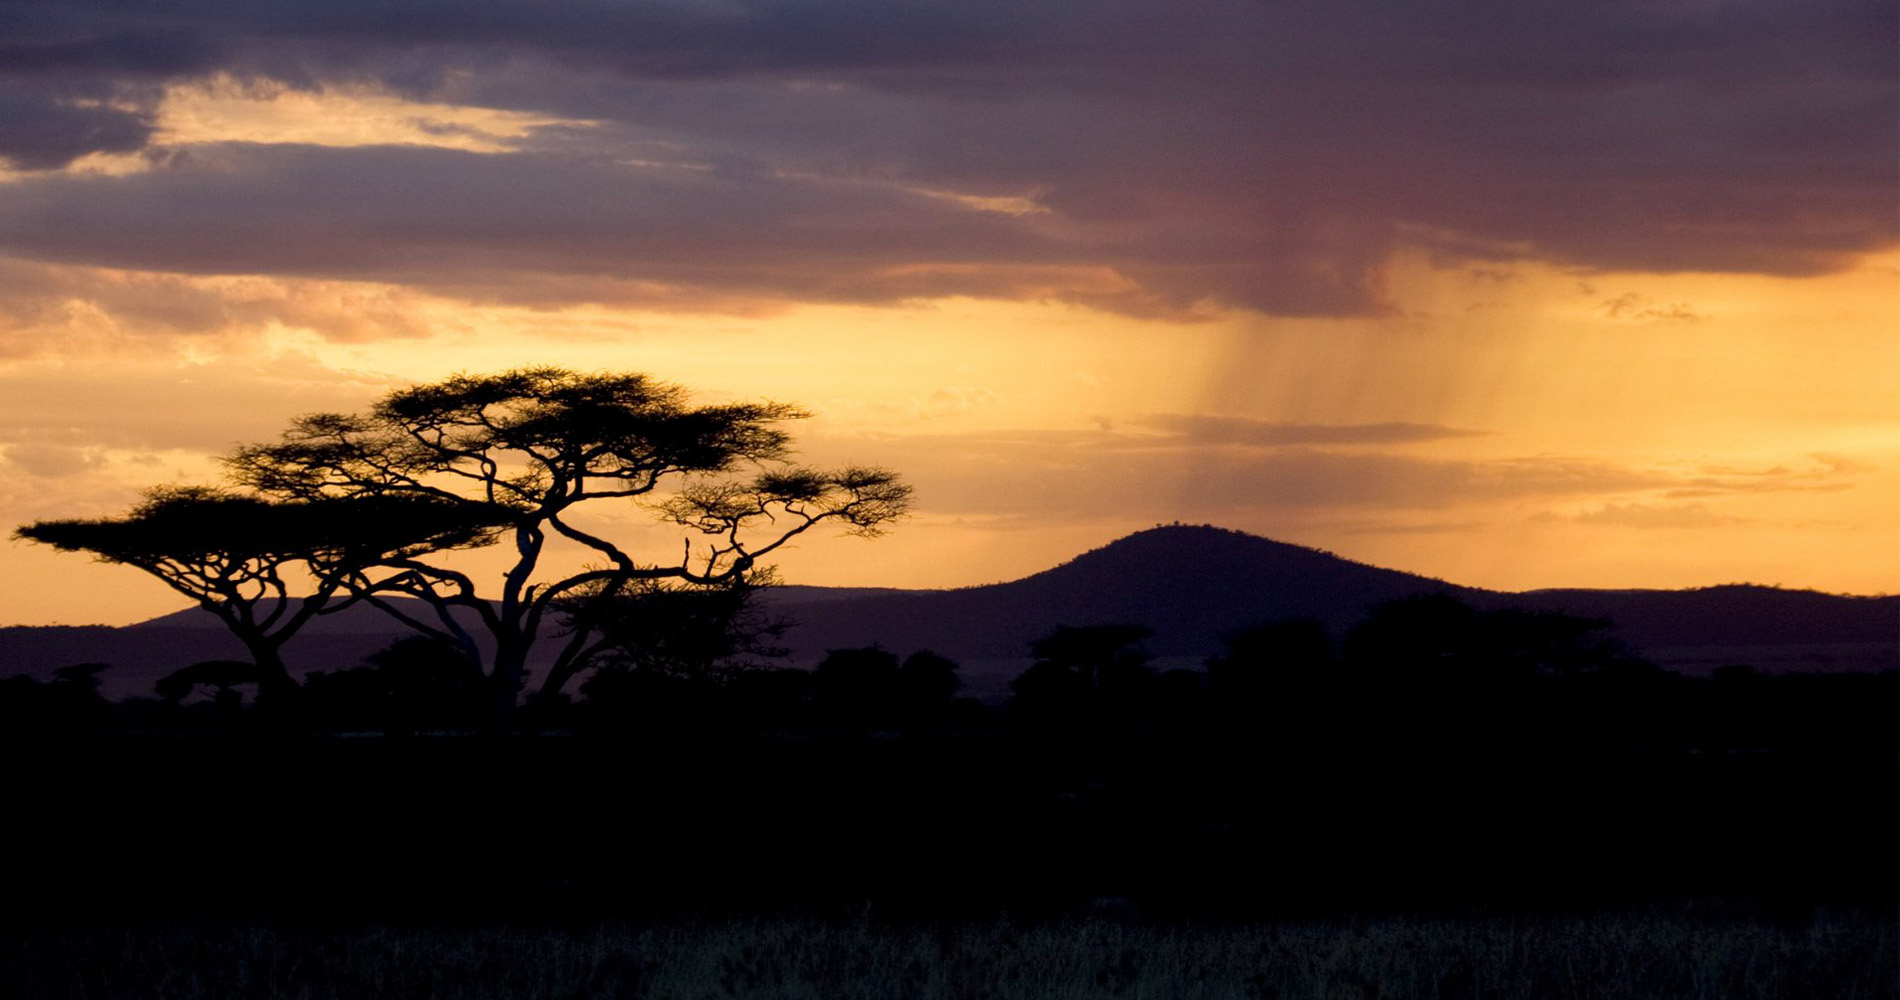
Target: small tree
[[222, 677], [538, 444], [238, 556], [680, 630], [664, 653], [1085, 677]]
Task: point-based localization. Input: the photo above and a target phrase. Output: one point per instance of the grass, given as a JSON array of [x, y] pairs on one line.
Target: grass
[[1679, 955]]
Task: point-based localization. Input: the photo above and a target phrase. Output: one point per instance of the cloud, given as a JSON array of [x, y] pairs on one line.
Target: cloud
[[1843, 464], [1829, 474], [1634, 308], [1246, 431], [222, 108], [1350, 474], [42, 134], [1065, 475], [1420, 528], [51, 410], [451, 219], [53, 461], [1152, 158], [1644, 515], [66, 309]]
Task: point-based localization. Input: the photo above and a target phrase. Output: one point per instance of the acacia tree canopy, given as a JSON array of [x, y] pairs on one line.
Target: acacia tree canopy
[[534, 444], [680, 631], [239, 556]]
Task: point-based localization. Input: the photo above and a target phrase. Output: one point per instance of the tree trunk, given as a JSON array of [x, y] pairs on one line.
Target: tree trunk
[[278, 695], [504, 685], [273, 677], [558, 676]]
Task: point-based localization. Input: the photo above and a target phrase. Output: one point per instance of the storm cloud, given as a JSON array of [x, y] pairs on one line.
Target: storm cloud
[[1135, 156]]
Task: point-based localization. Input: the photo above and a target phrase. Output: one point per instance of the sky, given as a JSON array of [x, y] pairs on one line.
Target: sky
[[1529, 295]]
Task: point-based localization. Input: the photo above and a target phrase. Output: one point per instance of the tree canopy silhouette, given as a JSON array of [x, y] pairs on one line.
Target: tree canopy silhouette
[[688, 631], [238, 556], [533, 446], [1093, 676]]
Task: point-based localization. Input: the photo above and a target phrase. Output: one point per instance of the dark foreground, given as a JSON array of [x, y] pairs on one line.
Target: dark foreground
[[1679, 953], [1174, 840], [967, 865], [423, 827], [419, 828]]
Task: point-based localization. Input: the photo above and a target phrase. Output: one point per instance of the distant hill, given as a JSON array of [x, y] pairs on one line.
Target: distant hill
[[1190, 584], [1769, 628]]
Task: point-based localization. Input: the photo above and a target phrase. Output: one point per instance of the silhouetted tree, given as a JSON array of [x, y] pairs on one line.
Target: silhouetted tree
[[222, 677], [22, 706], [1272, 661], [858, 690], [868, 690], [1094, 676], [1270, 655], [926, 685], [348, 700], [239, 555], [679, 629], [429, 684], [1275, 682], [73, 700], [540, 444], [1436, 665], [81, 678], [413, 684], [772, 699], [67, 704], [645, 704], [665, 652], [1422, 641], [1102, 656]]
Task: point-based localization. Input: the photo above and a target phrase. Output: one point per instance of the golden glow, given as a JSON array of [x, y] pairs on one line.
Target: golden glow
[[224, 110], [1004, 204], [1636, 430]]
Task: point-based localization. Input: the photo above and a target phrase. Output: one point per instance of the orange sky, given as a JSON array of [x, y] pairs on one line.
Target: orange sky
[[1617, 379]]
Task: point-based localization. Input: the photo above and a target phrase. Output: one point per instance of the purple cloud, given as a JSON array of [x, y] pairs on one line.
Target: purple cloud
[[1266, 156]]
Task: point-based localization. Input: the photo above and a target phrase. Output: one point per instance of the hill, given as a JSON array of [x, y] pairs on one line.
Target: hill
[[1190, 584]]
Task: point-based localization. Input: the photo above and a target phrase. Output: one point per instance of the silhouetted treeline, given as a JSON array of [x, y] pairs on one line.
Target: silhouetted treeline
[[1425, 674], [1434, 754]]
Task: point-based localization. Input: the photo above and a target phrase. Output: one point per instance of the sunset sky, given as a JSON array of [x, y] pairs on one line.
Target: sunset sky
[[1518, 295]]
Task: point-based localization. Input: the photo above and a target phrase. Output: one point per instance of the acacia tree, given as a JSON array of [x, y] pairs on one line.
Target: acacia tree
[[679, 630], [239, 555], [536, 444]]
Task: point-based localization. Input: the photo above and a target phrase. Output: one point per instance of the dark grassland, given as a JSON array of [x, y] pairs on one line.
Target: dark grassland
[[1605, 832], [977, 865], [1678, 953]]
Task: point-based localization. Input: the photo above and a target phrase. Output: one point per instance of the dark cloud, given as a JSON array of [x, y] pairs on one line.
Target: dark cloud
[[39, 135], [1269, 156], [475, 222]]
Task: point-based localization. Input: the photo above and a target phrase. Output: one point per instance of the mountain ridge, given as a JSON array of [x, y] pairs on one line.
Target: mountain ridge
[[1191, 584]]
